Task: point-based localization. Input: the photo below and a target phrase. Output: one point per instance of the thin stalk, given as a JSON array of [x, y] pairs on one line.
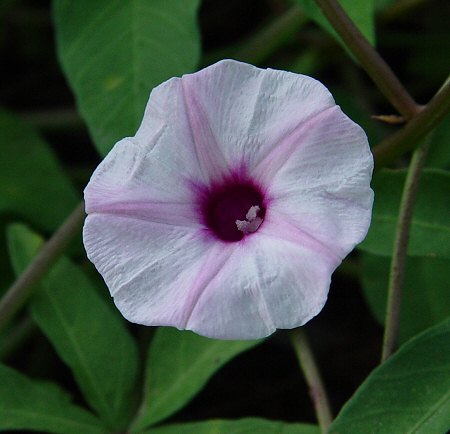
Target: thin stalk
[[397, 271], [415, 130], [16, 337], [311, 372], [399, 8], [23, 287], [378, 70], [54, 119]]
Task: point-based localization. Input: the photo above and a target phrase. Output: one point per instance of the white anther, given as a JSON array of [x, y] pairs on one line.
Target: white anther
[[252, 223]]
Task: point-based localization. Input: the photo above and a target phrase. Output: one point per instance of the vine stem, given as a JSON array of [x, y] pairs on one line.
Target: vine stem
[[54, 120], [399, 8], [22, 288], [313, 378], [16, 336], [398, 262], [415, 130], [378, 70], [422, 122]]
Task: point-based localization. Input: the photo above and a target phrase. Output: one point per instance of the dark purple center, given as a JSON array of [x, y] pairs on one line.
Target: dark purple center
[[225, 204]]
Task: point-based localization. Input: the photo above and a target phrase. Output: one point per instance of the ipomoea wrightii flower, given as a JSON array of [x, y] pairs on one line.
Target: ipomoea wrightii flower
[[228, 211]]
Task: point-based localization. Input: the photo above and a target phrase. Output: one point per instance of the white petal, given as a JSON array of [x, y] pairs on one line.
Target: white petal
[[145, 233], [130, 181], [251, 109], [187, 140], [150, 268], [166, 275], [319, 181], [267, 283]]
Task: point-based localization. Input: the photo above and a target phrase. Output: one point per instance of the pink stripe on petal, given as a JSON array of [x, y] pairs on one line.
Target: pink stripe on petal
[[148, 267], [176, 147], [211, 159], [292, 142], [279, 226], [175, 214], [250, 109], [232, 307], [294, 281], [267, 283], [231, 207], [212, 265]]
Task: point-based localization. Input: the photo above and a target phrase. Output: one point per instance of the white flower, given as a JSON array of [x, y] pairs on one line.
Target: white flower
[[228, 211]]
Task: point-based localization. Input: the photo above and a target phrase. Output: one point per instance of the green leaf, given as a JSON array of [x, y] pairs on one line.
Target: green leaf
[[32, 184], [178, 366], [115, 51], [90, 338], [7, 274], [240, 426], [425, 291], [361, 13], [439, 155], [33, 405], [409, 393], [307, 62], [382, 4], [430, 227]]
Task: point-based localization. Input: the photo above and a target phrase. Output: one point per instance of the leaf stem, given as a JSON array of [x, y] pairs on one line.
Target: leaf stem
[[15, 337], [54, 119], [378, 70], [400, 251], [399, 8], [415, 130], [313, 379], [22, 288]]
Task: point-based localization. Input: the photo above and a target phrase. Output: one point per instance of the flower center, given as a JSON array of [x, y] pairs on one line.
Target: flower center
[[234, 210]]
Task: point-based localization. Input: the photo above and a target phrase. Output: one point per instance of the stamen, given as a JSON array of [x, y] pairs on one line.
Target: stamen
[[252, 223], [252, 213]]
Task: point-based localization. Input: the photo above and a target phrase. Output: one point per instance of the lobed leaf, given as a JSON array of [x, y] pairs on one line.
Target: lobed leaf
[[178, 367], [115, 51], [409, 393], [425, 291], [31, 405], [89, 337], [240, 426], [430, 227]]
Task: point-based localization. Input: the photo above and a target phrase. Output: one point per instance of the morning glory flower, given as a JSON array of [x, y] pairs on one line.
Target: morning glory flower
[[228, 211]]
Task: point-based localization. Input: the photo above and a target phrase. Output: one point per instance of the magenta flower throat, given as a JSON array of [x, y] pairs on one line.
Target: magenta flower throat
[[233, 209], [228, 211]]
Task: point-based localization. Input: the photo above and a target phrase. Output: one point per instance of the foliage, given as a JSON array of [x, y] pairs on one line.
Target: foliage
[[31, 177], [430, 227], [408, 393], [179, 364], [114, 52], [83, 330]]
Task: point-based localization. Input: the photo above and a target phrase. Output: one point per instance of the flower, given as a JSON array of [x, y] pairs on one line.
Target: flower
[[228, 211]]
